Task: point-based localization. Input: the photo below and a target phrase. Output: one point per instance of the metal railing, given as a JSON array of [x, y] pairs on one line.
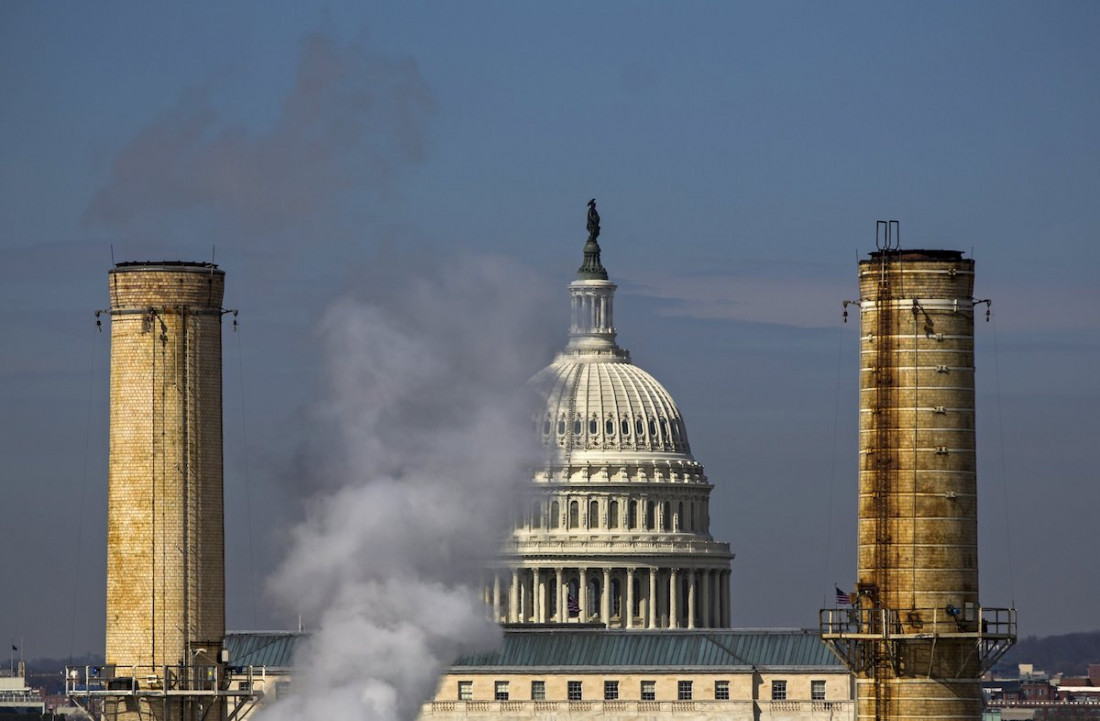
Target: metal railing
[[994, 623], [108, 680]]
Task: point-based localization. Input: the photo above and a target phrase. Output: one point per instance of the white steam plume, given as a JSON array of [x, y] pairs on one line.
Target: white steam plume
[[426, 438]]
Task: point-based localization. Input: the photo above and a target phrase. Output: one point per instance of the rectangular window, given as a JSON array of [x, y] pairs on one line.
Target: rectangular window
[[610, 690], [465, 690], [649, 690], [683, 690], [817, 690], [574, 690], [538, 690], [721, 690], [779, 690], [500, 691]]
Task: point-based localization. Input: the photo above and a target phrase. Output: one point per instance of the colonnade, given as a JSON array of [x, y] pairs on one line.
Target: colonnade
[[630, 597], [591, 311]]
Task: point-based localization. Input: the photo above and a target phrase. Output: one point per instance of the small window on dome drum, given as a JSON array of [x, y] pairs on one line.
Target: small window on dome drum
[[609, 427], [652, 428], [625, 426], [546, 427], [638, 427], [561, 428], [664, 429], [576, 426], [593, 426]]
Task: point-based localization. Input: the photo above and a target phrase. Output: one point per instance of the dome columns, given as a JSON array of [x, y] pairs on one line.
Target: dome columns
[[625, 597]]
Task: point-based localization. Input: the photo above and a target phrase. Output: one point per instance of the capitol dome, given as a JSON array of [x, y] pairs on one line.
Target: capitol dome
[[608, 406], [615, 528]]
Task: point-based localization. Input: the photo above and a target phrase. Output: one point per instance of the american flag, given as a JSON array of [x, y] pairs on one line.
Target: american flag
[[841, 597], [572, 605]]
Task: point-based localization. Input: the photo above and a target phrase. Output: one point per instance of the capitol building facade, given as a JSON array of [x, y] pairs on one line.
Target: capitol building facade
[[616, 530], [613, 595]]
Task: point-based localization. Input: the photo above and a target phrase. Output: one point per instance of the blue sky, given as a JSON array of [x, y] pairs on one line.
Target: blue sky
[[740, 154]]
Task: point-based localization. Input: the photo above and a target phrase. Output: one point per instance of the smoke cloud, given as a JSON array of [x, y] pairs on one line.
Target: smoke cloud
[[420, 448], [351, 121]]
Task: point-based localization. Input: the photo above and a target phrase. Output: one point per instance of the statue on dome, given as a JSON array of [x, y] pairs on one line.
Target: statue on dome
[[593, 221]]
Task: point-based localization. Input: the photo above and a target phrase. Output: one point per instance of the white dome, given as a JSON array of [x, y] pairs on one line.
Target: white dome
[[607, 403]]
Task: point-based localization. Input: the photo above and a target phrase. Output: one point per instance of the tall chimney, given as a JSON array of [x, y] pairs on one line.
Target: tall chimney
[[165, 532], [917, 637]]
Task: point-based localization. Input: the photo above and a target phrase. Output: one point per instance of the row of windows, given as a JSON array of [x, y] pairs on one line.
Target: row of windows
[[640, 515], [647, 691], [669, 430]]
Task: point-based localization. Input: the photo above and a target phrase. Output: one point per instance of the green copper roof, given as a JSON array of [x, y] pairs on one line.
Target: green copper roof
[[274, 649], [654, 649], [556, 647]]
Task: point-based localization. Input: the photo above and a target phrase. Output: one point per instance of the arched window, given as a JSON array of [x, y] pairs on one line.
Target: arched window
[[561, 426], [680, 517], [546, 426], [593, 597], [574, 515], [572, 598], [576, 426], [625, 427], [639, 428], [613, 514], [593, 426], [593, 514], [609, 427], [555, 515], [632, 515], [666, 516], [637, 596], [536, 515], [652, 429], [649, 524], [616, 597], [552, 592]]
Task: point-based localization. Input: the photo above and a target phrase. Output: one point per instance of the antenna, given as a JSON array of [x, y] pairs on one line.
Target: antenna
[[888, 235]]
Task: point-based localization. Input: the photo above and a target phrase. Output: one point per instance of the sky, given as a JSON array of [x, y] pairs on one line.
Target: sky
[[740, 154]]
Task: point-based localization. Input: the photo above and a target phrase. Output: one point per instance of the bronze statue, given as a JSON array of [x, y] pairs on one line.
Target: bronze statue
[[593, 221]]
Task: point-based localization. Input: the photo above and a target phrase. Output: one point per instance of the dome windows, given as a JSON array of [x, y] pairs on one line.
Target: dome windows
[[625, 427], [609, 427], [593, 426]]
